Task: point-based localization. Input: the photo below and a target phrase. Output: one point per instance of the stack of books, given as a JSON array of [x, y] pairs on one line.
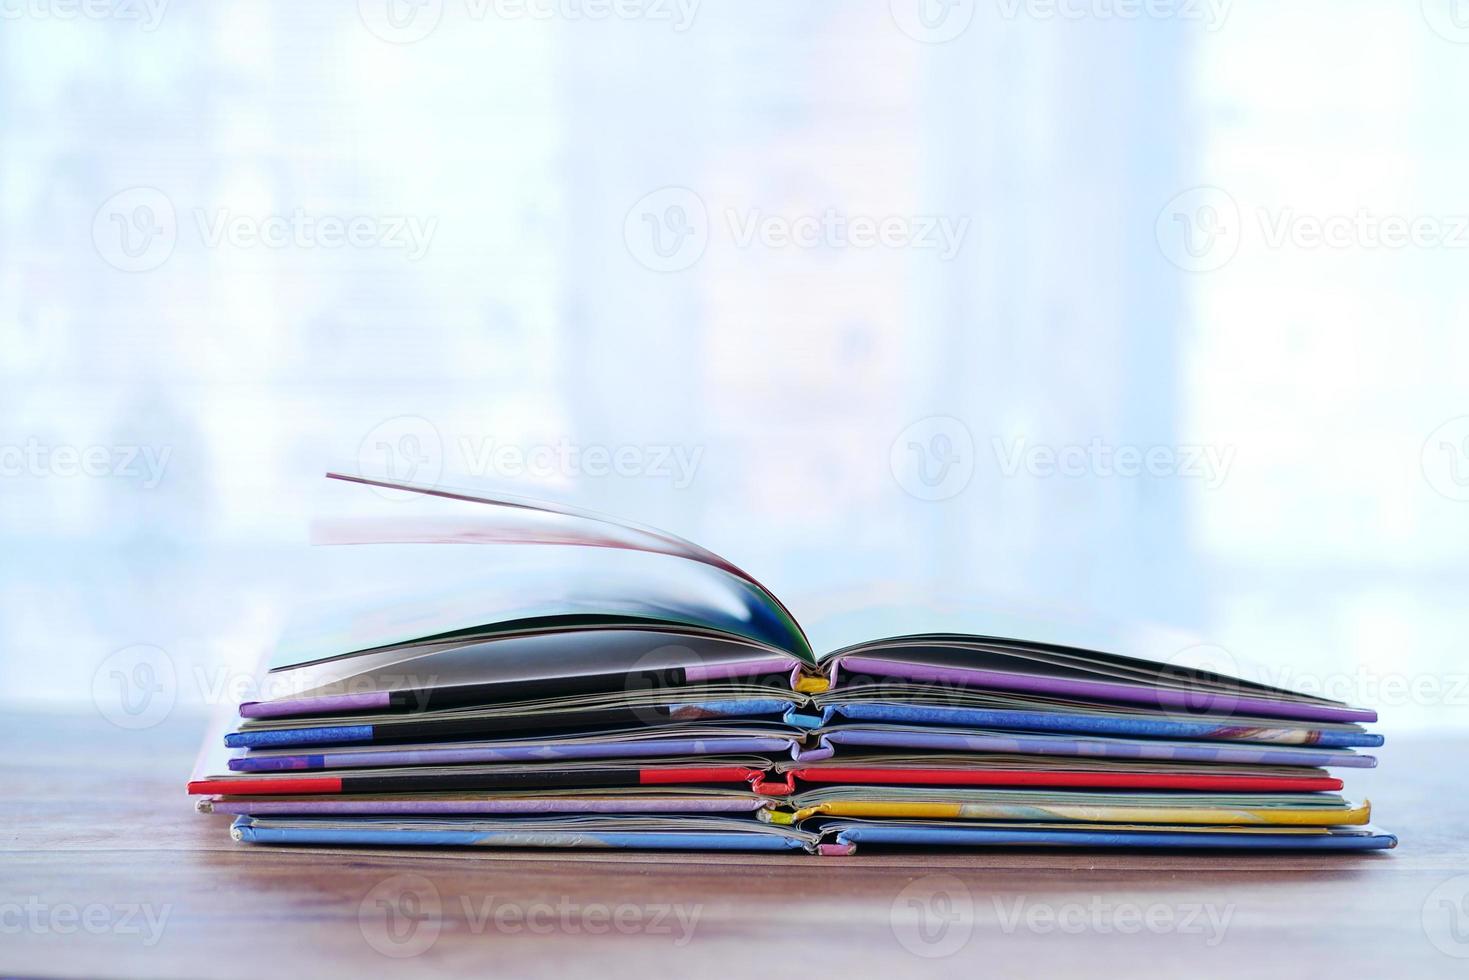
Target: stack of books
[[686, 710]]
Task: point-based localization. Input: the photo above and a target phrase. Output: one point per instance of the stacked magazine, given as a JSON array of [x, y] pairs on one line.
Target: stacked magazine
[[687, 710]]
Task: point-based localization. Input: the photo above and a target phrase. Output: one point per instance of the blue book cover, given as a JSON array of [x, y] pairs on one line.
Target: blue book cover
[[1267, 731], [1020, 835], [666, 834]]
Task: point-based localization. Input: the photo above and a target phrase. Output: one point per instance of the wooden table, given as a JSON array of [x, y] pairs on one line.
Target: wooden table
[[107, 870]]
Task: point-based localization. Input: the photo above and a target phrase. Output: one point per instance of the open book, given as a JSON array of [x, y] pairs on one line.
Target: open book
[[684, 706]]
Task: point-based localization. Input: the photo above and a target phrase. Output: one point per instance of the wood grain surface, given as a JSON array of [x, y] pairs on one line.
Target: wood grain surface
[[108, 871]]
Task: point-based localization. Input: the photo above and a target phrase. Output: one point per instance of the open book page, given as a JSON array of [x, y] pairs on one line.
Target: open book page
[[647, 592], [505, 519]]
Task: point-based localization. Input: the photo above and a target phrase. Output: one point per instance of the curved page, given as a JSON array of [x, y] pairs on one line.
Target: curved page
[[518, 520]]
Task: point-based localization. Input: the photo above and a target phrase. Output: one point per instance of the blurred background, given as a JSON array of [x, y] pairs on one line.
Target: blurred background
[[1151, 315]]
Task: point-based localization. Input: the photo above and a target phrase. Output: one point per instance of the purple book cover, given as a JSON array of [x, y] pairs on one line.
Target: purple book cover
[[1193, 703]]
